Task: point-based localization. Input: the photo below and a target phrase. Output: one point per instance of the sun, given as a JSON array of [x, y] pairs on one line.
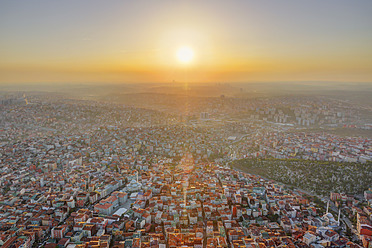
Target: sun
[[185, 54]]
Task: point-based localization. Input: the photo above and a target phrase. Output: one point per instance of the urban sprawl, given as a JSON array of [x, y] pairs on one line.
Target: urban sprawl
[[78, 173]]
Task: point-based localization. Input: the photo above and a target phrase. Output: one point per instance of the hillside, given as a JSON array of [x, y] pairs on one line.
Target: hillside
[[320, 177]]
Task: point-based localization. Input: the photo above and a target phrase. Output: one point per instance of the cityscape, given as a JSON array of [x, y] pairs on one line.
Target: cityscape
[[199, 148]]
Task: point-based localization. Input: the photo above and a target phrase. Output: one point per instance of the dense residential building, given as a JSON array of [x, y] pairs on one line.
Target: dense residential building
[[149, 180]]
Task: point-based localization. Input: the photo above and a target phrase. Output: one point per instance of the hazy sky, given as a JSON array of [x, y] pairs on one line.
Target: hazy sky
[[136, 41]]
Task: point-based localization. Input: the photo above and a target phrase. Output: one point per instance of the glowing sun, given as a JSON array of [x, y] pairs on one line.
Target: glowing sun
[[185, 54]]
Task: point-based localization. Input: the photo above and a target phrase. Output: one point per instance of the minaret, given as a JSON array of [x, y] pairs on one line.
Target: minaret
[[327, 207], [339, 213], [137, 176]]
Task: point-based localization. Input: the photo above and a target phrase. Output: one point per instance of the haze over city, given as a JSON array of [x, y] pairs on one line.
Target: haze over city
[[193, 124]]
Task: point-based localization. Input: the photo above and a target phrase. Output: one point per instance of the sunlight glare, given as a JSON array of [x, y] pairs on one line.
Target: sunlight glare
[[185, 54]]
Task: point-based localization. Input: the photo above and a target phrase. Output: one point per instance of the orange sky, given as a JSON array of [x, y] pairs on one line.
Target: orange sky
[[137, 41]]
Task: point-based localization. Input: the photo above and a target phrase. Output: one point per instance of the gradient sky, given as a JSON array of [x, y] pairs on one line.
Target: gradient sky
[[234, 41]]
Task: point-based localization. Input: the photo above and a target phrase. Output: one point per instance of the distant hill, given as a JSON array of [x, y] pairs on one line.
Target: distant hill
[[357, 93]]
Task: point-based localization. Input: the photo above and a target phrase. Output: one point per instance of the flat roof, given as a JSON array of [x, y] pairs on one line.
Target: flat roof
[[120, 211]]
